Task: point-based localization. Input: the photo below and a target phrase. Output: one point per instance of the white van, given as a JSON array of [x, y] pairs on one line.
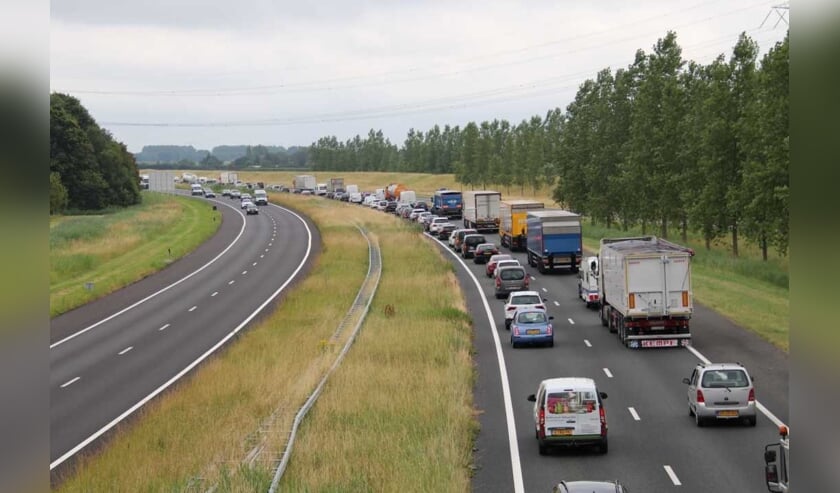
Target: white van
[[569, 412], [197, 189], [588, 289]]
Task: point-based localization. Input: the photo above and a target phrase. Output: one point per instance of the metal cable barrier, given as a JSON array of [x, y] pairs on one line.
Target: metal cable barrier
[[357, 312]]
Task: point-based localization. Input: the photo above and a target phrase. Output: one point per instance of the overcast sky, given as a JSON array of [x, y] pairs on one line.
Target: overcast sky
[[213, 72]]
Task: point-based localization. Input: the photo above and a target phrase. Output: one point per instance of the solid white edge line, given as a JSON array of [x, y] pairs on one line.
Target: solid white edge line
[[70, 382], [167, 288], [201, 358], [571, 321], [164, 327], [672, 475], [634, 413], [129, 348], [516, 466], [766, 412], [588, 344], [608, 373]]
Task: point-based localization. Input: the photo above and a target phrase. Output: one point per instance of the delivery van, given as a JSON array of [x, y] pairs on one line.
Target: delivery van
[[569, 412]]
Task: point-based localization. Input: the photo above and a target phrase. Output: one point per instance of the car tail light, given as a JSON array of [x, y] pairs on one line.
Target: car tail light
[[549, 329], [515, 330], [751, 397], [498, 282], [542, 420], [527, 281], [700, 397], [511, 308], [603, 415]]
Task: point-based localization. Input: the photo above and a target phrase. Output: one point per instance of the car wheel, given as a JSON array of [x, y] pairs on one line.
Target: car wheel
[[543, 448], [698, 420], [507, 324], [690, 411], [604, 447], [513, 343], [551, 344], [751, 421]]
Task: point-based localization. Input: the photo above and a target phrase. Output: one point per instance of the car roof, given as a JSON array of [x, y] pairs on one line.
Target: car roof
[[530, 308], [524, 293], [722, 366], [505, 267], [569, 383], [587, 486]]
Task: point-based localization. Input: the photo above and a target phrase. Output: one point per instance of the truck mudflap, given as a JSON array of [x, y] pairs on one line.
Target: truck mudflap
[[656, 341]]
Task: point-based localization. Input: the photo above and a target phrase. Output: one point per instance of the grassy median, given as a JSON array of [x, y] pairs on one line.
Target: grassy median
[[397, 415], [115, 249]]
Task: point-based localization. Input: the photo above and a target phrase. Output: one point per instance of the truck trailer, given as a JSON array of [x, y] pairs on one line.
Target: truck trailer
[[512, 215], [447, 203], [228, 177], [553, 240], [646, 291], [304, 182], [481, 210], [335, 185]]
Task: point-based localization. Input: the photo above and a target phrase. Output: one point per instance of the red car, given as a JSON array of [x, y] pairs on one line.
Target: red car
[[493, 260], [483, 252]]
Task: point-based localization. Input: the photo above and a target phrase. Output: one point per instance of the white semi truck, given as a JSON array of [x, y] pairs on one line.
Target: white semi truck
[[646, 291], [481, 210]]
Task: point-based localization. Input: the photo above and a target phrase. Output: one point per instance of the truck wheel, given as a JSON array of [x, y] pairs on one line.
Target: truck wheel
[[601, 313], [543, 449], [611, 321]]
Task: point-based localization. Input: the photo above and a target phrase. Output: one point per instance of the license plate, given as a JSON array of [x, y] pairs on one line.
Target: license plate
[[561, 432], [728, 414], [659, 343], [532, 332]]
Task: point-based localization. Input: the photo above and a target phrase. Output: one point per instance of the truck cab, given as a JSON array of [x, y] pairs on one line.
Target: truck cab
[[588, 289], [777, 463]]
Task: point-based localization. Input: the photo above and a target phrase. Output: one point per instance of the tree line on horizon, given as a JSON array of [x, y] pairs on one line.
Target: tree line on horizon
[[664, 143], [235, 157]]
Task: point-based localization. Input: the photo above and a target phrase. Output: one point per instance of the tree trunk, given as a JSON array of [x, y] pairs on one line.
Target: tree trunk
[[664, 227], [609, 222], [644, 227], [735, 240], [684, 233], [764, 247], [708, 242]]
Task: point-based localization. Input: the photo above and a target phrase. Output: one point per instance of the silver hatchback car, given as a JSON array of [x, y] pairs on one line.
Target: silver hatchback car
[[721, 391], [509, 279]]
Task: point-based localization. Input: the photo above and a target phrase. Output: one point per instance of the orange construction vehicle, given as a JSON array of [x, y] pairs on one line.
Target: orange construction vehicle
[[392, 191]]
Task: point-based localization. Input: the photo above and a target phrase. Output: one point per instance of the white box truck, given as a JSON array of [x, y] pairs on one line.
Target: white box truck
[[303, 182], [481, 210], [228, 177], [646, 291]]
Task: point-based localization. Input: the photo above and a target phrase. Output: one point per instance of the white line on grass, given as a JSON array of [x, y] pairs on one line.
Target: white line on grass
[[672, 475], [772, 417], [167, 288], [129, 348], [70, 382], [634, 413], [608, 373]]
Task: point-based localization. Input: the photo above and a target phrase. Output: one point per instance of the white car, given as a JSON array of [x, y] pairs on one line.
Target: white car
[[381, 205], [412, 216], [419, 217], [245, 203], [520, 299], [355, 198], [452, 237], [436, 223]]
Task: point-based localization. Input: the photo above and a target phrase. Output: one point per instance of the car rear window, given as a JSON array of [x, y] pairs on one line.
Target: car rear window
[[724, 378], [571, 401], [530, 299], [475, 240], [531, 318], [512, 274]]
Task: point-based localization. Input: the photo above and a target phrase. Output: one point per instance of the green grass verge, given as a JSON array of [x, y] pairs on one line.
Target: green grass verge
[[118, 248], [397, 415], [752, 293]]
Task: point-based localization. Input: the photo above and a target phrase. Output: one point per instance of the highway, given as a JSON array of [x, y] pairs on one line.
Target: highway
[[654, 444], [113, 355]]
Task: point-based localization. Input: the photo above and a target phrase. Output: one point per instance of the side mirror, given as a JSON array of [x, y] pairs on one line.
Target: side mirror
[[686, 381], [603, 395], [769, 456], [532, 398]]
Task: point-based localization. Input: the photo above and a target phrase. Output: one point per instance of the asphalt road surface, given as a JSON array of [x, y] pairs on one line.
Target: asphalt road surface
[[654, 444], [111, 356]]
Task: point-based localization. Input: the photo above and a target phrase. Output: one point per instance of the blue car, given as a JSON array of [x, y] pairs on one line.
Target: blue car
[[531, 326]]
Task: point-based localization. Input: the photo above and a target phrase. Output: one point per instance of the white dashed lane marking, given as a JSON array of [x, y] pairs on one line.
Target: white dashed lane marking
[[214, 293], [254, 263], [164, 327], [672, 475], [556, 303], [244, 272], [533, 278], [70, 382], [588, 344], [193, 308], [571, 321], [634, 414], [129, 348], [231, 282], [544, 290], [608, 373], [263, 255]]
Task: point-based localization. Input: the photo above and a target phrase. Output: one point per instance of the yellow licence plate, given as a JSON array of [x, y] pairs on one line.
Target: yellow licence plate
[[728, 413], [561, 432], [532, 332]]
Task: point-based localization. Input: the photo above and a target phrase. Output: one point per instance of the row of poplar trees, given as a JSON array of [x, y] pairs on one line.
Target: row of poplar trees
[[664, 144]]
